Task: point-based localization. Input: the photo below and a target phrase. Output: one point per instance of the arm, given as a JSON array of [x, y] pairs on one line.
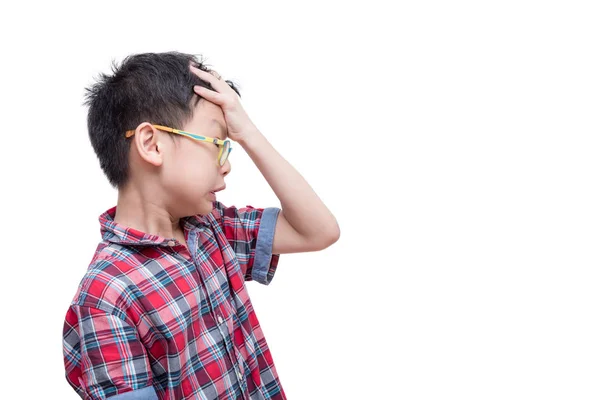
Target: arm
[[305, 223], [104, 357]]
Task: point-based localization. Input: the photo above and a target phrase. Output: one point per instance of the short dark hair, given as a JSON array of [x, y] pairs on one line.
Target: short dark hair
[[149, 87]]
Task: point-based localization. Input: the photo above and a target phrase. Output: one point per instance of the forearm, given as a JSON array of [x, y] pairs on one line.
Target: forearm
[[300, 205]]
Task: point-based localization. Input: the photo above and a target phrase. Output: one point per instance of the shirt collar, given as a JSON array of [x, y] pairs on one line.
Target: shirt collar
[[114, 232]]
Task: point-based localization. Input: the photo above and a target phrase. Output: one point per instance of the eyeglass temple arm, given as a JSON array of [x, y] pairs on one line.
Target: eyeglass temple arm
[[177, 131]]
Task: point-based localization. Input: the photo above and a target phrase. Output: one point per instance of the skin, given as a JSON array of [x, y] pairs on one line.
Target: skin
[[171, 179], [172, 176]]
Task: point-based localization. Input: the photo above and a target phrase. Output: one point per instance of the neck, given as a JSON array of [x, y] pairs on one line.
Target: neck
[[136, 210]]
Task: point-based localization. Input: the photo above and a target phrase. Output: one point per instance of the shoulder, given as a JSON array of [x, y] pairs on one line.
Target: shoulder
[[110, 280]]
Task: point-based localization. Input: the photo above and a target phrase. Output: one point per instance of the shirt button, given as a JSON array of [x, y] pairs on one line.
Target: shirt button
[[171, 243], [239, 375], [220, 319]]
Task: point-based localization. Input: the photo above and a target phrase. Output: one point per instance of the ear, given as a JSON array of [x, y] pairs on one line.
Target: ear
[[149, 144]]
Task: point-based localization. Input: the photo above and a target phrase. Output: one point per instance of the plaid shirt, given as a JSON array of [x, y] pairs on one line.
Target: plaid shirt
[[152, 320]]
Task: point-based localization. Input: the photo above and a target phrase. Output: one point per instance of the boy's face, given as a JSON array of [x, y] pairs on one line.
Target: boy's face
[[190, 172]]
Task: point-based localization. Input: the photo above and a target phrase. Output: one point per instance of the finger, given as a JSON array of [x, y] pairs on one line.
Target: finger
[[208, 77], [209, 95], [215, 73]]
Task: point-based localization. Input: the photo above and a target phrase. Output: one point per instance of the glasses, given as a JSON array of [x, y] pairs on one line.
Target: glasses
[[224, 145]]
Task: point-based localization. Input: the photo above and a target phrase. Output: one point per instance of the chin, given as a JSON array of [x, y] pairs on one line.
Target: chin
[[206, 208], [198, 208]]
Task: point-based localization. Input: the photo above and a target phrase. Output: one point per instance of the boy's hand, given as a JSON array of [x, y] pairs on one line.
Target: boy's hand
[[239, 125]]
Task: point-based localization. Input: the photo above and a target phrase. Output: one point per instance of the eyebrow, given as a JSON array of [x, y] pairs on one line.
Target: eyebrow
[[221, 127]]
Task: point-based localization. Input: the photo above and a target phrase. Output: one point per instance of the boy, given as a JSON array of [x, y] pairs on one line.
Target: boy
[[162, 311]]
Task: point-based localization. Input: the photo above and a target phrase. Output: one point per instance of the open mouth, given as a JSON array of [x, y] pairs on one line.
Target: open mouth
[[218, 190]]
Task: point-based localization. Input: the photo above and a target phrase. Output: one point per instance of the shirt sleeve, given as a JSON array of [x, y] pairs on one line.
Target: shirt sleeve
[[104, 357], [250, 232]]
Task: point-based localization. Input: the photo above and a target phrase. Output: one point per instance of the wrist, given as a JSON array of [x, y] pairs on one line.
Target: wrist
[[250, 137]]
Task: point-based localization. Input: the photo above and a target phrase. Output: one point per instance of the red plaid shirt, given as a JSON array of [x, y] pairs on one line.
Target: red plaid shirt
[[152, 320]]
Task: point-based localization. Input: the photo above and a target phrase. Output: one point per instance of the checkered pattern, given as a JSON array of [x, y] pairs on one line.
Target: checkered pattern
[[151, 320]]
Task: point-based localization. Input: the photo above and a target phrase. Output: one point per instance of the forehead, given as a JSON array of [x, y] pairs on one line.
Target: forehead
[[208, 120]]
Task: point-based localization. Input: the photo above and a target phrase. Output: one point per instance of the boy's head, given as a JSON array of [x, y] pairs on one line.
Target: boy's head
[[157, 89]]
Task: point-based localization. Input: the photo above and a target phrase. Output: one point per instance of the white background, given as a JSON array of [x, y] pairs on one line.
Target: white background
[[456, 143]]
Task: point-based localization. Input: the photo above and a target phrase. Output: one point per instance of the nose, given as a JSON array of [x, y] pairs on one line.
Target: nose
[[226, 168]]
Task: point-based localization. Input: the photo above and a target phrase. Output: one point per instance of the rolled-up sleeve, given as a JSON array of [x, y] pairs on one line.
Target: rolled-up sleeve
[[103, 356], [250, 232]]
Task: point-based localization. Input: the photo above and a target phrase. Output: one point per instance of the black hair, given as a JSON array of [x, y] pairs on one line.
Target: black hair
[[150, 87]]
